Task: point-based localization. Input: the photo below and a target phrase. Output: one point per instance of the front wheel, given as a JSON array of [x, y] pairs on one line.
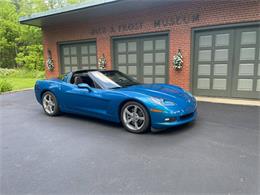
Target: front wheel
[[135, 117], [50, 104]]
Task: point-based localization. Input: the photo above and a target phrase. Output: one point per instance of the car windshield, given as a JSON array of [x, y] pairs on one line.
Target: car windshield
[[112, 79]]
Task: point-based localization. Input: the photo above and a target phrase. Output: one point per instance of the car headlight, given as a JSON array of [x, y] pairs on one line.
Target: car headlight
[[162, 101]]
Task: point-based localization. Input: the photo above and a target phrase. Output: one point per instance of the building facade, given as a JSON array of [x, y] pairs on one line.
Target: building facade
[[218, 40]]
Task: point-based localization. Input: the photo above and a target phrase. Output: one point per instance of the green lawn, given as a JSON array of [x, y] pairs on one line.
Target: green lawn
[[21, 83], [16, 79]]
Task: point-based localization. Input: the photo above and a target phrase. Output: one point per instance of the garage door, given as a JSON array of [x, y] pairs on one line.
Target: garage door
[[78, 56], [144, 58], [227, 63]]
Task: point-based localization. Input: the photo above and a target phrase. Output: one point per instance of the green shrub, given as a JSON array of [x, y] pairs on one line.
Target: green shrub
[[5, 86], [6, 72], [21, 73], [61, 76], [40, 74], [30, 57]]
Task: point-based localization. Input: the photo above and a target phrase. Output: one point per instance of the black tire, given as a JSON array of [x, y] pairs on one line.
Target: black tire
[[141, 112], [54, 110]]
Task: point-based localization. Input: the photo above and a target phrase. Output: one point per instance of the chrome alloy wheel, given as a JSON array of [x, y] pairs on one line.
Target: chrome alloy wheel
[[133, 117], [49, 103]]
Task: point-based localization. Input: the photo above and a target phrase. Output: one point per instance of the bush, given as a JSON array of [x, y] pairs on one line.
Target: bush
[[5, 86], [61, 76], [30, 57], [40, 74], [6, 72], [21, 73]]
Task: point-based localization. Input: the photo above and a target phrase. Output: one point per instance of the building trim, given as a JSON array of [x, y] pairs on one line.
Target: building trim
[[141, 35], [64, 10], [76, 41]]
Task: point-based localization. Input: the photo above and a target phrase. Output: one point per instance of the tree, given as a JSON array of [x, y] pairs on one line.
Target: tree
[[9, 31], [21, 45]]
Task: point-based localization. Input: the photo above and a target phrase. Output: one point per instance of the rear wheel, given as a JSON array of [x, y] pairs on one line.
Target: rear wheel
[[50, 104], [135, 117]]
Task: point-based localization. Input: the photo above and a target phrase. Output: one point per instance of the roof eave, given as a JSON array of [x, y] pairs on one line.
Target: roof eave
[[28, 19]]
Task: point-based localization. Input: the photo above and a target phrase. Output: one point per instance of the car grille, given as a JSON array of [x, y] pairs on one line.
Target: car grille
[[186, 116]]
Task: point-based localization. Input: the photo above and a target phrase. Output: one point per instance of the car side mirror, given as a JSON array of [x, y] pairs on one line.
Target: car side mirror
[[84, 86]]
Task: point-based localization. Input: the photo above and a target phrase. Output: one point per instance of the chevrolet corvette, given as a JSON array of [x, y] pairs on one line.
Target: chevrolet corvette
[[114, 96]]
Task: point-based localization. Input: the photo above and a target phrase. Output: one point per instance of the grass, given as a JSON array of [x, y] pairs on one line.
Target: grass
[[21, 83], [19, 78]]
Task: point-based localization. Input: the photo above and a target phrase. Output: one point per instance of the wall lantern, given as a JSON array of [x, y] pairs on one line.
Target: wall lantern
[[102, 62], [178, 61], [50, 64]]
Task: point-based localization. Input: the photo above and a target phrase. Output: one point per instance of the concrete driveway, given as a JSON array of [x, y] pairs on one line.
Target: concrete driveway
[[72, 155]]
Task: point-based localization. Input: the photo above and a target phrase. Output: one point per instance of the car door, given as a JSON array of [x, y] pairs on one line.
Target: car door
[[84, 101]]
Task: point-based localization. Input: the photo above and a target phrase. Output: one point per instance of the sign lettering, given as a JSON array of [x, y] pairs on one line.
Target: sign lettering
[[176, 20], [118, 28]]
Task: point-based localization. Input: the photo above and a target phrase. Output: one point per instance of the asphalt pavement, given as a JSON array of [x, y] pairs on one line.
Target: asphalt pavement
[[69, 154]]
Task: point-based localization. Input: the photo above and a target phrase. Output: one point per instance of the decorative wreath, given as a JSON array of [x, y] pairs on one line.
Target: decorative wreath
[[102, 62], [178, 61], [50, 63]]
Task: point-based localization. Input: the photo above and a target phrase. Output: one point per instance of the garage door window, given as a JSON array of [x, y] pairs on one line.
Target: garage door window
[[78, 56], [246, 63], [143, 58], [227, 63]]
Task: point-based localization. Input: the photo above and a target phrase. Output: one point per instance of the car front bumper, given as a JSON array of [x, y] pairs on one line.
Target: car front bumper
[[159, 123]]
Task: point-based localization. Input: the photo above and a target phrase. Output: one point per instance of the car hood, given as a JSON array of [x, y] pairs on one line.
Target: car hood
[[165, 91]]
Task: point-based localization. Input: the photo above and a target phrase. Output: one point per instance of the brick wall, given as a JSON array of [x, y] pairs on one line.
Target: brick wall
[[216, 12]]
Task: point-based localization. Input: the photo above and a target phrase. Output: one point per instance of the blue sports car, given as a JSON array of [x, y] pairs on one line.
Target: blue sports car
[[114, 96]]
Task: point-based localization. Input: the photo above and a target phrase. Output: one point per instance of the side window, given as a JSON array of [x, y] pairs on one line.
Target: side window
[[76, 79], [97, 86], [88, 80]]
